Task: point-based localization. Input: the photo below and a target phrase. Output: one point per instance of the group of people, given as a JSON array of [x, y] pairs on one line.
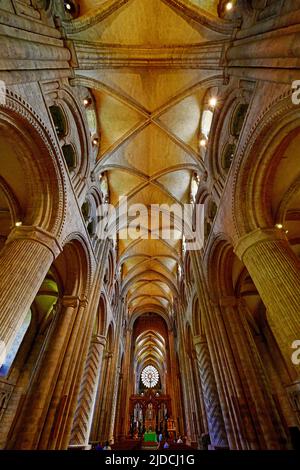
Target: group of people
[[106, 446], [165, 442]]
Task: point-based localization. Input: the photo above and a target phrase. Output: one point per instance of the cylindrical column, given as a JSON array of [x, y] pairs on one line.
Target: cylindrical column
[[81, 351], [84, 414], [113, 407], [57, 414], [43, 386], [173, 384], [263, 418], [215, 420], [225, 373], [124, 410], [184, 378], [275, 271], [24, 263], [104, 411]]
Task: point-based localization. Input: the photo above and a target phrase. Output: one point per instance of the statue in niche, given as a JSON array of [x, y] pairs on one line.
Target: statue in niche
[[149, 414]]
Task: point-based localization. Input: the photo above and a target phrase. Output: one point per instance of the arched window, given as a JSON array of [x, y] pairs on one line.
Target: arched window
[[228, 155], [69, 155], [238, 119], [212, 210], [92, 121], [194, 186], [91, 228], [72, 9], [59, 120], [150, 376], [8, 358], [206, 122], [85, 209]]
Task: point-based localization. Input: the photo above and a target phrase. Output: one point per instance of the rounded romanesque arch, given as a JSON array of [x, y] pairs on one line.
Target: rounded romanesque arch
[[75, 262], [37, 181], [197, 326], [101, 320], [256, 165]]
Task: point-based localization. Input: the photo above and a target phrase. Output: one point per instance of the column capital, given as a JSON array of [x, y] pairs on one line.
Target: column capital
[[70, 301], [201, 339], [38, 235], [99, 339], [256, 237], [83, 302]]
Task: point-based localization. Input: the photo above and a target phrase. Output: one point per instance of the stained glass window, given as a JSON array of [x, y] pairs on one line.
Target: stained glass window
[[150, 376]]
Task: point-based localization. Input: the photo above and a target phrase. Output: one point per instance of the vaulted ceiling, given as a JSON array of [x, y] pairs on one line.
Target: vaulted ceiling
[[150, 65]]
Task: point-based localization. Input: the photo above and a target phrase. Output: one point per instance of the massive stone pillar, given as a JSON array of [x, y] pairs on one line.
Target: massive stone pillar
[[275, 271], [40, 395], [202, 416], [80, 348], [84, 414], [58, 412], [103, 412], [174, 392], [213, 410], [24, 263], [185, 380], [264, 428], [124, 417], [114, 401], [217, 344]]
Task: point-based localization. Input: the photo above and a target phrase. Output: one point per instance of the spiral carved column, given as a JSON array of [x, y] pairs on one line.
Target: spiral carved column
[[215, 420], [84, 413]]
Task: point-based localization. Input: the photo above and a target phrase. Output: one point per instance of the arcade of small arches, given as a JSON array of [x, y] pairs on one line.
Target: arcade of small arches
[[109, 339]]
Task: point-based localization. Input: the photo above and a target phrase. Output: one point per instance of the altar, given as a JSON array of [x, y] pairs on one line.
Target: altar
[[150, 436], [149, 412]]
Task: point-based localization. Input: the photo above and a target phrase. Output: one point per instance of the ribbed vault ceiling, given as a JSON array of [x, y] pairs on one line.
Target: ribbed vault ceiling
[[149, 66]]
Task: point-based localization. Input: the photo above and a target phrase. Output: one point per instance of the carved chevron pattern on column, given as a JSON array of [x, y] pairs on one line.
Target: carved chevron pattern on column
[[80, 432], [211, 399]]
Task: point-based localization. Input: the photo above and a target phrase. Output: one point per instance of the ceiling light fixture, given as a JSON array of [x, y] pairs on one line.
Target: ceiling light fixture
[[229, 6], [213, 102], [18, 224], [203, 142]]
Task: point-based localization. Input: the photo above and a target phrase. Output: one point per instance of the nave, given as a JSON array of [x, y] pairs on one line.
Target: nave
[[149, 224]]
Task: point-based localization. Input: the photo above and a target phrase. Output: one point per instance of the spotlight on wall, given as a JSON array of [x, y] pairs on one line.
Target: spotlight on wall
[[87, 102], [229, 6], [213, 102], [279, 226], [203, 143], [18, 224], [68, 6], [96, 141]]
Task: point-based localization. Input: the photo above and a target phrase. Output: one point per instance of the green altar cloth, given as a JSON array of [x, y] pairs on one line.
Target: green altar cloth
[[150, 437]]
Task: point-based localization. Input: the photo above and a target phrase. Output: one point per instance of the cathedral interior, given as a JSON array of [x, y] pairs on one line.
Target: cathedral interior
[[115, 332]]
